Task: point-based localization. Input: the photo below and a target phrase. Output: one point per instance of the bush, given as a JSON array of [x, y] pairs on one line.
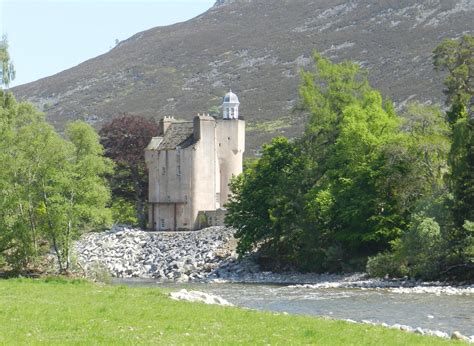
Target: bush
[[421, 246], [417, 254], [386, 263]]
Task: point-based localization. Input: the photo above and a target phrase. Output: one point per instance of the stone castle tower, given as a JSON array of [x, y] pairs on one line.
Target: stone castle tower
[[190, 166]]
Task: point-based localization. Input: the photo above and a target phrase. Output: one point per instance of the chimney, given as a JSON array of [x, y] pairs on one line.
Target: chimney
[[166, 122], [203, 124]]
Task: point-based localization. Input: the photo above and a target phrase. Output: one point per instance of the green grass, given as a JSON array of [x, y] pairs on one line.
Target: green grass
[[62, 312]]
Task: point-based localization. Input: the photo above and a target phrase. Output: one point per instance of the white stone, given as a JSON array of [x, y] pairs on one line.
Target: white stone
[[199, 297], [458, 336], [419, 331]]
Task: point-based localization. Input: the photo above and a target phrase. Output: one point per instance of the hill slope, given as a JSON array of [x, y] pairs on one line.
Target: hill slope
[[256, 47]]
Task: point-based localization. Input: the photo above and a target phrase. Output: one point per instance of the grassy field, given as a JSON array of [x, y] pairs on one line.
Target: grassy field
[[76, 312]]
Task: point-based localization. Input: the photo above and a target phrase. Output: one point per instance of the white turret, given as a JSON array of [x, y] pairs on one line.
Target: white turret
[[230, 106]]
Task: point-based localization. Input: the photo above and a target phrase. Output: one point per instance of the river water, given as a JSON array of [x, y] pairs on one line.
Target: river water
[[443, 312]]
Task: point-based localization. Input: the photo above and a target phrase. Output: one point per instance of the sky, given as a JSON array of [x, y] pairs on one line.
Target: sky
[[49, 36]]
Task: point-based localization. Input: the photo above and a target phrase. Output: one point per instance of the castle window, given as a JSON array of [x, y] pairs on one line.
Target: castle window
[[178, 170], [163, 170], [162, 223]]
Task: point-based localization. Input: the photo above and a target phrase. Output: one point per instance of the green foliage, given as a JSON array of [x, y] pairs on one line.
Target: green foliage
[[462, 171], [469, 242], [123, 212], [52, 188], [74, 192], [416, 254], [264, 204], [430, 142], [349, 187], [421, 247], [439, 240], [351, 135], [7, 70], [386, 264], [456, 57], [344, 190]]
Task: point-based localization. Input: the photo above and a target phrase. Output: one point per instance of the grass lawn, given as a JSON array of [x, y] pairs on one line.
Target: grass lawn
[[62, 312]]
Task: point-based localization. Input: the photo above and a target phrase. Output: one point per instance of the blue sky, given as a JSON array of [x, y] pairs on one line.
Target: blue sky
[[49, 36]]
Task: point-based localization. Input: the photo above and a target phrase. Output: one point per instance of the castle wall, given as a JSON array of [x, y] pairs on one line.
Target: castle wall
[[204, 167], [170, 190], [230, 142]]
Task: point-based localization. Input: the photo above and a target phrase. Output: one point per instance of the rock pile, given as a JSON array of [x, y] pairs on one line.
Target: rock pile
[[180, 256]]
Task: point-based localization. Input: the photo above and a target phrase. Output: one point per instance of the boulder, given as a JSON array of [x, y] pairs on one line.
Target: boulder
[[199, 297], [458, 336]]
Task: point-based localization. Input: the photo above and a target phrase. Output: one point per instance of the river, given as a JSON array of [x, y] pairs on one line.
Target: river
[[443, 312]]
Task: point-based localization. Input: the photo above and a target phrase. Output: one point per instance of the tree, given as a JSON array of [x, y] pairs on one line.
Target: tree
[[358, 158], [125, 139], [74, 192], [53, 189], [267, 200], [18, 232], [430, 142], [7, 70], [456, 57]]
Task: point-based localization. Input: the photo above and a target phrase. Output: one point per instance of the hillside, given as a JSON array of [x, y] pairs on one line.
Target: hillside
[[256, 47]]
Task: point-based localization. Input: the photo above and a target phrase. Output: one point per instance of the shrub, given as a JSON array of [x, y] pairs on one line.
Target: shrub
[[421, 247], [386, 263], [417, 254]]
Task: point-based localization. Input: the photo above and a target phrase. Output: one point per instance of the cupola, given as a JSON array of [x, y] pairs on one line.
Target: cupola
[[230, 106]]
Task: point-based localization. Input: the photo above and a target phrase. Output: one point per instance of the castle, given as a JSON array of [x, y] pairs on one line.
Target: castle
[[190, 167]]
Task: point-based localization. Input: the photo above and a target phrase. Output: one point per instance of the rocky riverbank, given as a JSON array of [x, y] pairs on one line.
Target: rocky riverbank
[[206, 298], [422, 331]]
